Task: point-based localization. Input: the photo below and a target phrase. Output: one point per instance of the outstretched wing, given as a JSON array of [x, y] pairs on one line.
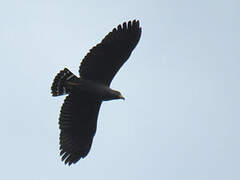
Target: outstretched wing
[[77, 122], [106, 58]]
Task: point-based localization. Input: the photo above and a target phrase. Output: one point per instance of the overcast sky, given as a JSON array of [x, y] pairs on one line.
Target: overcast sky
[[181, 117]]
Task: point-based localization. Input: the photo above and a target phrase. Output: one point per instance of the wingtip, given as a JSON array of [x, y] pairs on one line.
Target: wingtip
[[133, 24]]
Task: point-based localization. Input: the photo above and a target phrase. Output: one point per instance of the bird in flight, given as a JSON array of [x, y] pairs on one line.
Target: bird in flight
[[79, 112]]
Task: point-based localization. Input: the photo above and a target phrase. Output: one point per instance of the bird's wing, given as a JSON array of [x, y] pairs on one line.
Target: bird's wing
[[106, 58], [77, 122]]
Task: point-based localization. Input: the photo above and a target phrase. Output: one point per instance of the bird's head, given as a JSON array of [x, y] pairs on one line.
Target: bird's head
[[120, 96], [117, 95]]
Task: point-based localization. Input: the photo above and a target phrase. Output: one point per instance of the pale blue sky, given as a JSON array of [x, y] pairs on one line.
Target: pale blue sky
[[180, 120]]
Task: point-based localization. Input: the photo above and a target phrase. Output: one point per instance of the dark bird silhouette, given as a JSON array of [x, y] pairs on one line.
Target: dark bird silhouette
[[79, 112]]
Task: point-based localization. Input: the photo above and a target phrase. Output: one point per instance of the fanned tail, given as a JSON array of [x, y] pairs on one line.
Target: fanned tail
[[59, 85]]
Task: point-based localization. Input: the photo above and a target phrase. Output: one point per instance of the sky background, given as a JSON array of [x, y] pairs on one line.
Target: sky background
[[181, 117]]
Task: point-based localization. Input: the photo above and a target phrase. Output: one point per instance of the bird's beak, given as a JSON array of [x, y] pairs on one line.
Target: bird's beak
[[121, 97]]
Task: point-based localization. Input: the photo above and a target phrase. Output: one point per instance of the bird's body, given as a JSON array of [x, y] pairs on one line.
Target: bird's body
[[78, 116], [73, 84], [99, 91]]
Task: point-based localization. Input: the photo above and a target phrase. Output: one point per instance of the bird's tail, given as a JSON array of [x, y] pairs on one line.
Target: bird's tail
[[59, 85]]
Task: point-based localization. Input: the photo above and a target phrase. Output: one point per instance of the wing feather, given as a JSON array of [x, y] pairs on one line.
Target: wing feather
[[105, 59], [77, 123]]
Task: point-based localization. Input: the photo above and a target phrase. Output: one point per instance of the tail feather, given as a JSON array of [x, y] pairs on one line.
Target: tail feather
[[59, 86]]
